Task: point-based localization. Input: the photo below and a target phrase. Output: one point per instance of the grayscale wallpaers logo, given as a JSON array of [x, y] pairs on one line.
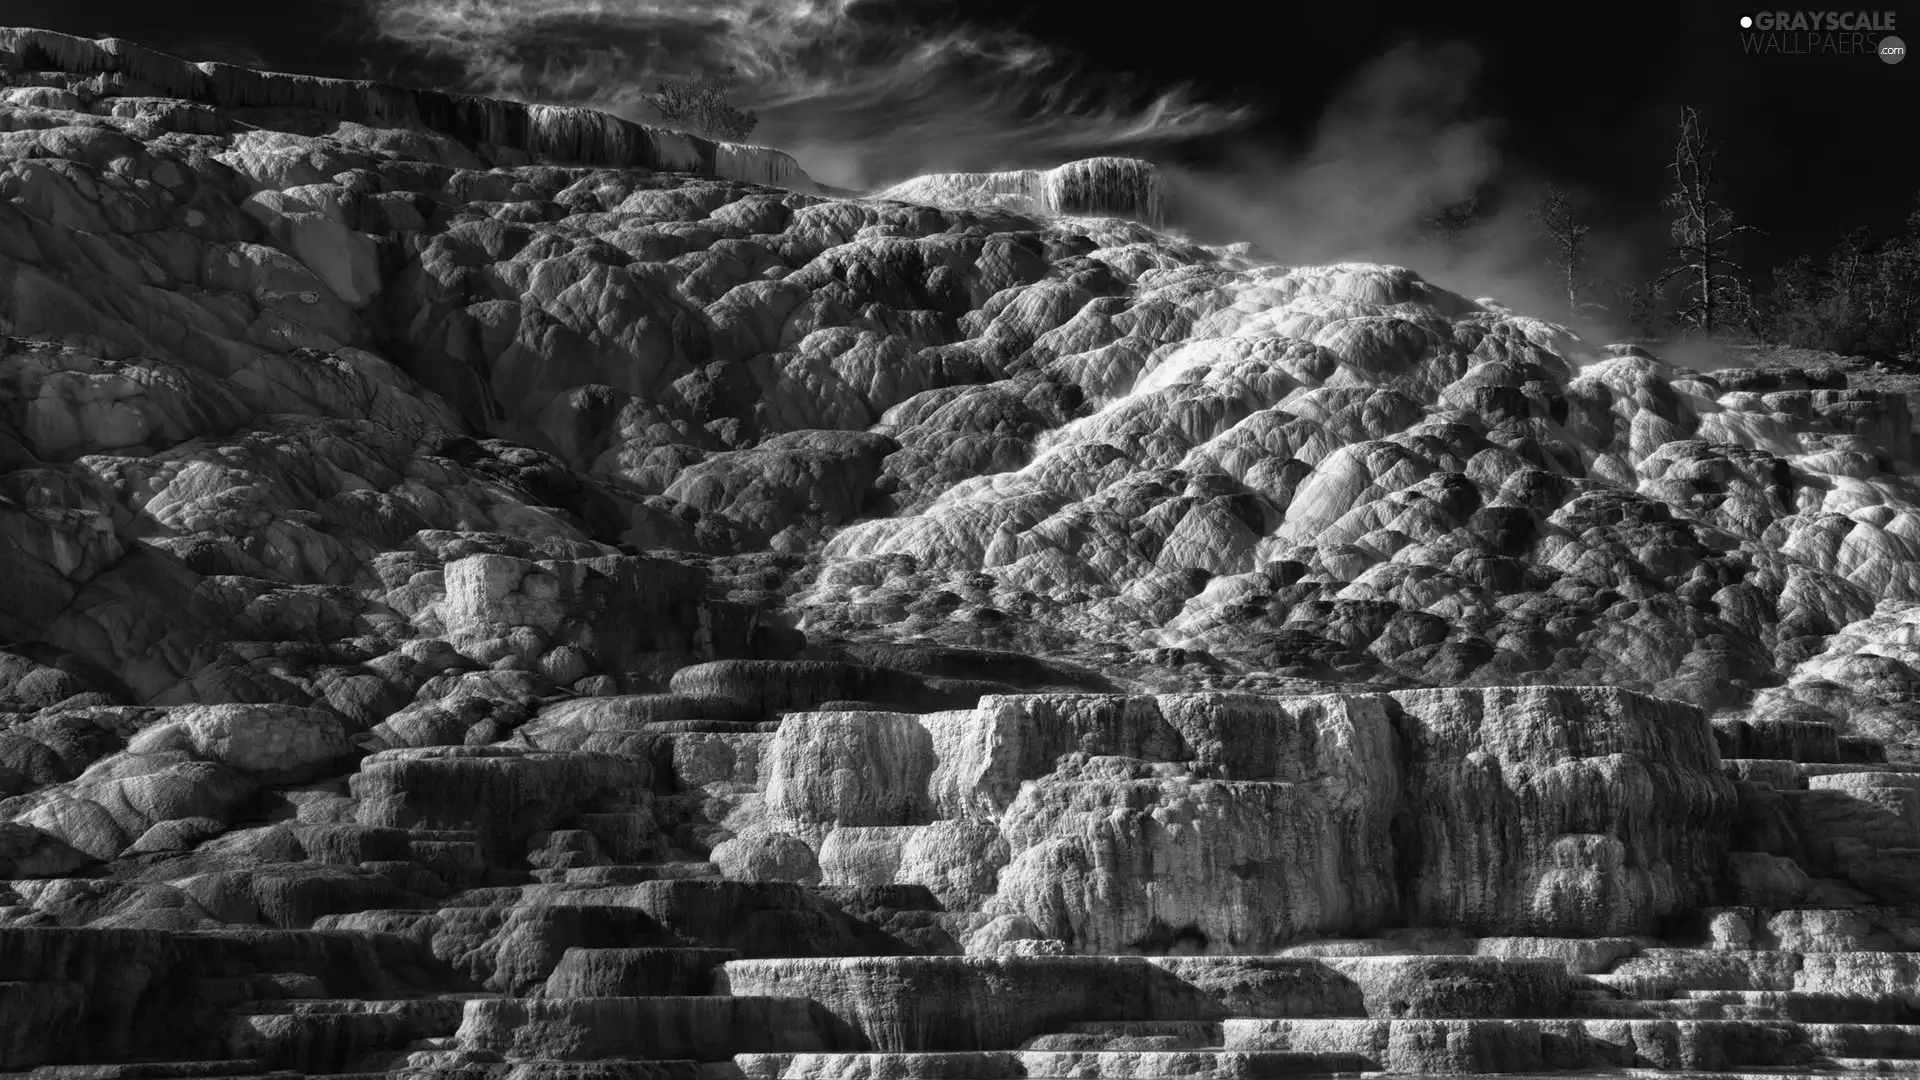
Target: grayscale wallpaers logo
[[1822, 33]]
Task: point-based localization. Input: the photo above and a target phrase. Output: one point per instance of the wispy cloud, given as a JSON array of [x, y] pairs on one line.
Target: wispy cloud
[[862, 93]]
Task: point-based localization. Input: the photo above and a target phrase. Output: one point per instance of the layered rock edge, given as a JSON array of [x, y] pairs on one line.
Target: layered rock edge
[[561, 135]]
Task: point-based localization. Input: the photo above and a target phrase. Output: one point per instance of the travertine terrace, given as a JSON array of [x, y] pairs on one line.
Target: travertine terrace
[[491, 591]]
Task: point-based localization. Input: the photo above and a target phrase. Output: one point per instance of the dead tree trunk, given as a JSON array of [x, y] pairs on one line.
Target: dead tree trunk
[[1702, 233], [1556, 216]]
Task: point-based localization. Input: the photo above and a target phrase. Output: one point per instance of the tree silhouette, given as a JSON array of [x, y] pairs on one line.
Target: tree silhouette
[[1560, 220], [702, 104], [1863, 298], [1716, 288], [1899, 267]]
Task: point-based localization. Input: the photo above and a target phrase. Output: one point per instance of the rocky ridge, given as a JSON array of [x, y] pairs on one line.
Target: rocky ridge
[[493, 591]]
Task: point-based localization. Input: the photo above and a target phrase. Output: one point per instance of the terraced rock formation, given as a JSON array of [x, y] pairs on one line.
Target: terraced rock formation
[[498, 592]]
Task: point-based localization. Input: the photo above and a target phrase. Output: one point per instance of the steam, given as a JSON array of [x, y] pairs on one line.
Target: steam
[[1395, 140], [859, 93], [865, 93], [1401, 138]]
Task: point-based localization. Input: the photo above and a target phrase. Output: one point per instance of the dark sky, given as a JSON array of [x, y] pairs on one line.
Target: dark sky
[[1811, 145], [1268, 103]]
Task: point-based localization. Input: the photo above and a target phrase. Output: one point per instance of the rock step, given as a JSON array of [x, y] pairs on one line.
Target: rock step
[[671, 972], [486, 789], [627, 712], [1840, 808], [1779, 773], [1860, 973], [1519, 1046], [434, 1006], [1825, 768], [154, 1070], [623, 873], [755, 918], [960, 1065], [1664, 973], [1674, 1044], [1047, 1065], [1812, 1007], [1815, 930], [1112, 1044], [1791, 740], [1661, 1009], [904, 1004], [1884, 870], [1006, 1065], [1862, 749], [107, 1072], [1582, 956], [782, 687], [1875, 777], [557, 925], [329, 1036], [1677, 954], [422, 1066], [711, 727], [1410, 1046], [1176, 1034], [486, 896], [1856, 1066], [1756, 1072], [441, 836], [1210, 1064], [706, 1029], [633, 874], [71, 990], [1865, 1040]]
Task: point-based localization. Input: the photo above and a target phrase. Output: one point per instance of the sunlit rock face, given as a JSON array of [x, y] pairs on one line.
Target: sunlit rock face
[[1346, 474], [1226, 823], [487, 590], [1124, 187]]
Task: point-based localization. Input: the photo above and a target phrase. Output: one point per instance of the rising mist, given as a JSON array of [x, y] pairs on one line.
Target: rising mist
[[868, 94]]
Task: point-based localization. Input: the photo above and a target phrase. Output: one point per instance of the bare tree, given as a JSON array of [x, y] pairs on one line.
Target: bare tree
[[1447, 223], [1851, 271], [1715, 287], [1900, 283], [1560, 220], [702, 104]]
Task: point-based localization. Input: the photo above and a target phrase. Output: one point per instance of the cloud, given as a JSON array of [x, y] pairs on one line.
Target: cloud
[[862, 93], [1397, 139]]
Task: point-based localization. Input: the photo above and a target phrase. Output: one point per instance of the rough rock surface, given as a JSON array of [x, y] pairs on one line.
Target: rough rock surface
[[494, 591]]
